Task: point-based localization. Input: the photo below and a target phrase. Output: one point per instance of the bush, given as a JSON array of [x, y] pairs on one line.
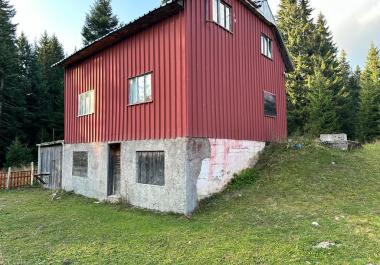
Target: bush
[[18, 155], [246, 177]]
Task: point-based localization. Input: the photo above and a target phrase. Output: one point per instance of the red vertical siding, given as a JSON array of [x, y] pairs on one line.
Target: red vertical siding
[[228, 74], [160, 50], [207, 82]]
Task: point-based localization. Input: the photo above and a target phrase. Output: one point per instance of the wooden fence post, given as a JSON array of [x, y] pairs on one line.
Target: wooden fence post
[[31, 173], [8, 178]]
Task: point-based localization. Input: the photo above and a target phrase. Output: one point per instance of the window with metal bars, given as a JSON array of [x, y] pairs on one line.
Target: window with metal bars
[[80, 164], [151, 168]]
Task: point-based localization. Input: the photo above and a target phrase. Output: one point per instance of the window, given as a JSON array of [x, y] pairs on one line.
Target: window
[[221, 14], [266, 46], [140, 89], [86, 103], [80, 164], [270, 108], [150, 168]]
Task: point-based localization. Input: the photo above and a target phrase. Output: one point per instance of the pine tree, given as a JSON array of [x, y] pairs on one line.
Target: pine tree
[[322, 116], [50, 51], [12, 99], [99, 21], [18, 155], [370, 97], [325, 47], [347, 98], [296, 25], [30, 81]]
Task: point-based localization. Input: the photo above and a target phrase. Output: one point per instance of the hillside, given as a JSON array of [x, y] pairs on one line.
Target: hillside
[[294, 205]]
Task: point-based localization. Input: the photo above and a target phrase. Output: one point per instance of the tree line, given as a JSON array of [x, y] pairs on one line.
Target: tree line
[[324, 94], [31, 90]]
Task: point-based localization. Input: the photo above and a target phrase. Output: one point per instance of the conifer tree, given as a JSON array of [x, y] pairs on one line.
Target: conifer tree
[[325, 47], [347, 98], [322, 116], [50, 51], [99, 21], [12, 100], [30, 84], [370, 96], [296, 25], [18, 155]]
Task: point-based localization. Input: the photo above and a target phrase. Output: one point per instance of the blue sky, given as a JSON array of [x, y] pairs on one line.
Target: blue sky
[[355, 23]]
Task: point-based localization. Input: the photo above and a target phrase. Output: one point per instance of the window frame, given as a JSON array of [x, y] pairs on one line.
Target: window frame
[[74, 171], [138, 172], [216, 19], [265, 92], [264, 51], [83, 94], [129, 89]]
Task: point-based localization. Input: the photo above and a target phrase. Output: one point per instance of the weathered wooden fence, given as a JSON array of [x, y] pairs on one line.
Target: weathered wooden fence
[[13, 179]]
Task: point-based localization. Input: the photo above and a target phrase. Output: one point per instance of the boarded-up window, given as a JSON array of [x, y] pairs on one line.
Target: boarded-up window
[[270, 108], [151, 168], [80, 164]]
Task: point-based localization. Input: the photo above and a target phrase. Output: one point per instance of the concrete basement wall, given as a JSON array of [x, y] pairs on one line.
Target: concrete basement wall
[[95, 185], [195, 168], [227, 157]]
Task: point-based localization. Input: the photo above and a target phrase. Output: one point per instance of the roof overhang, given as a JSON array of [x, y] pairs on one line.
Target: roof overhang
[[284, 52], [60, 142], [124, 32]]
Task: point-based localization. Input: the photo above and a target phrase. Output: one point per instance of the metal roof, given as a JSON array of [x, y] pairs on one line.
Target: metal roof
[[152, 17], [261, 9]]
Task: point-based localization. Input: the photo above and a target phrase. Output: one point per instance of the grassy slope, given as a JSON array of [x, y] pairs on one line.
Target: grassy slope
[[268, 222]]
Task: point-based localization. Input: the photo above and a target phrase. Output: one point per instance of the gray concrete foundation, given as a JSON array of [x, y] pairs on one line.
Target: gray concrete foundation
[[195, 168]]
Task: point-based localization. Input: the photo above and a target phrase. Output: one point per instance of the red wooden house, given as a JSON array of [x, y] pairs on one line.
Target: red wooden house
[[163, 111]]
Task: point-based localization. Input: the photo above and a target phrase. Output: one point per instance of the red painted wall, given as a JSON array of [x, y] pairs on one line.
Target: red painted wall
[[228, 74], [206, 81], [160, 49]]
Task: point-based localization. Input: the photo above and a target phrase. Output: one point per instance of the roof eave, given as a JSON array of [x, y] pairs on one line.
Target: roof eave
[[124, 32], [284, 52]]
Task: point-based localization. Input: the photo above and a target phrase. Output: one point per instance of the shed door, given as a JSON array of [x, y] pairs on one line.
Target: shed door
[[50, 163], [114, 170]]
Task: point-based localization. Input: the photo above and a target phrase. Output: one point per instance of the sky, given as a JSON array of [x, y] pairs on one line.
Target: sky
[[354, 23]]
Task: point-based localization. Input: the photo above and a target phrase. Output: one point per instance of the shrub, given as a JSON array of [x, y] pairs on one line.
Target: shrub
[[18, 155], [246, 177]]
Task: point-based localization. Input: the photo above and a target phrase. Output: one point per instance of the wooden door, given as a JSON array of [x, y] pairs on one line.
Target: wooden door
[[114, 171]]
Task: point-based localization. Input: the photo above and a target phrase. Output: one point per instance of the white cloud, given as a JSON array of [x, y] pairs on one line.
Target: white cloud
[[354, 23], [371, 16]]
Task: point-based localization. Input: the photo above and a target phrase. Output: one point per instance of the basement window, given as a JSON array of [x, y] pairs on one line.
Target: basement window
[[80, 164], [151, 168], [140, 89], [86, 103], [221, 14], [270, 108], [266, 46]]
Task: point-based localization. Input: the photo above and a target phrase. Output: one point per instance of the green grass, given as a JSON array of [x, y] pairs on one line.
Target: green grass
[[264, 217]]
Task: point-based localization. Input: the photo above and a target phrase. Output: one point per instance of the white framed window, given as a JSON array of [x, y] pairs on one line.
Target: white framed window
[[140, 89], [266, 46], [221, 14], [86, 103]]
